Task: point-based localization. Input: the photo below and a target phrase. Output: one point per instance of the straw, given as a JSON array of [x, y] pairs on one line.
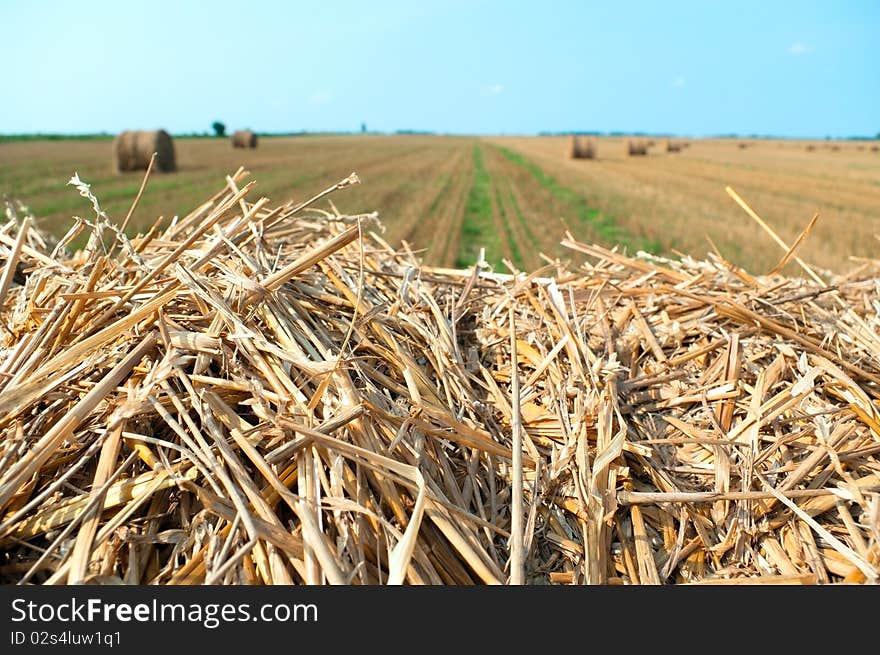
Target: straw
[[264, 393]]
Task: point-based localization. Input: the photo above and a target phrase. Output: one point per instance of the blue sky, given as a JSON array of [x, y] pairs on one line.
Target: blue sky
[[799, 69]]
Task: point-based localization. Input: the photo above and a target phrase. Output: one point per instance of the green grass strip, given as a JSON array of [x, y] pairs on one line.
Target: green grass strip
[[11, 138], [515, 253], [589, 217], [477, 227]]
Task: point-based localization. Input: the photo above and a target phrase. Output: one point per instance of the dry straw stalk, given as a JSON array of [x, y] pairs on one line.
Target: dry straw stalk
[[273, 395]]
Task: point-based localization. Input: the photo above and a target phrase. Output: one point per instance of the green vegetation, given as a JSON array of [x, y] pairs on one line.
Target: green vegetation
[[604, 226], [100, 136], [478, 227]]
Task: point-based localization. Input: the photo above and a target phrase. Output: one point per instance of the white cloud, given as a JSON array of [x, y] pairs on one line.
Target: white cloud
[[492, 89], [320, 98], [799, 48], [678, 82]]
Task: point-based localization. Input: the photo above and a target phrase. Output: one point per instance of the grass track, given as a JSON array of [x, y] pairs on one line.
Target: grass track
[[478, 229], [588, 217]]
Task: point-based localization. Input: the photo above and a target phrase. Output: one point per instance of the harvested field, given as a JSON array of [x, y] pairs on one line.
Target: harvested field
[[265, 393], [427, 191], [421, 182], [679, 202]]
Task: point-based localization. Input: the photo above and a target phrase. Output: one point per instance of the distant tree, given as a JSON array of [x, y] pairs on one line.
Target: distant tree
[[219, 128], [363, 127]]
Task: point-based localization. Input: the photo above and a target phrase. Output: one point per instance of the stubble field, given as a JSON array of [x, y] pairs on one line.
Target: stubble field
[[448, 197], [281, 399]]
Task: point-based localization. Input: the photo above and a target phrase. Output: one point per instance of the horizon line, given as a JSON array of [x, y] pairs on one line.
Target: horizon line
[[426, 132]]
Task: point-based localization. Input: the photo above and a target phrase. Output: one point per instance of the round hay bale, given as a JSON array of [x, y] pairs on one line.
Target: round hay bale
[[635, 147], [583, 147], [133, 149], [244, 139], [673, 146]]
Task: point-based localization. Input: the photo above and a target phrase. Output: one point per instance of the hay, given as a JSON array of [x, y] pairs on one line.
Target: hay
[[244, 139], [636, 147], [583, 147], [274, 395], [133, 149], [673, 146]]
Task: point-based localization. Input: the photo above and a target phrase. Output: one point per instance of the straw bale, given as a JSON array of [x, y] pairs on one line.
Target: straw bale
[[264, 394], [583, 147], [244, 139], [133, 149], [636, 147]]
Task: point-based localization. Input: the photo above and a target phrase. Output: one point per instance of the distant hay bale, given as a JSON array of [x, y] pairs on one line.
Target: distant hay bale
[[835, 147], [742, 145], [133, 149], [810, 147], [875, 148], [673, 146], [583, 147], [636, 147], [244, 139]]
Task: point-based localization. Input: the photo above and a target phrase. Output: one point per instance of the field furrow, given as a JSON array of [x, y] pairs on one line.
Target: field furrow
[[525, 245], [419, 224], [449, 196], [677, 202], [439, 232]]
